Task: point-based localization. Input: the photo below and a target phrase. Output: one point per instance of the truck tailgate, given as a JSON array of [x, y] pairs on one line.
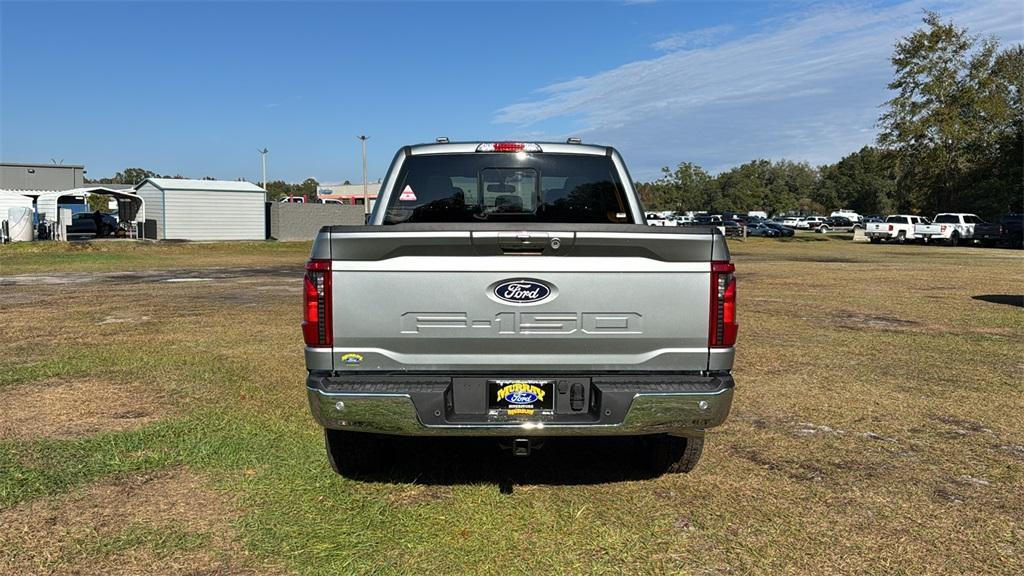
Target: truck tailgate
[[597, 297]]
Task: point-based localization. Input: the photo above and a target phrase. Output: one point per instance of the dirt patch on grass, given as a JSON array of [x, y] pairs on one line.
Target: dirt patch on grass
[[62, 409], [162, 523], [859, 321], [176, 275], [964, 424], [1015, 450]]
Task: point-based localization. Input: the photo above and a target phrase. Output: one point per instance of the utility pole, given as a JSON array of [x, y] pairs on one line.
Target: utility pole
[[263, 158], [366, 195]]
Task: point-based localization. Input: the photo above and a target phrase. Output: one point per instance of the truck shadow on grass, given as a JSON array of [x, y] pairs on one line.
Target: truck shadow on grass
[[1007, 299], [558, 461]]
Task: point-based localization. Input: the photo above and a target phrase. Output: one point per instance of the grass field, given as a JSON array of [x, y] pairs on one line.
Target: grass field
[[156, 422]]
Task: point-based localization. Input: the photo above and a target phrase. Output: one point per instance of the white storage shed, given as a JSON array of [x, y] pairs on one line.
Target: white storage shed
[[13, 199], [20, 226], [204, 209]]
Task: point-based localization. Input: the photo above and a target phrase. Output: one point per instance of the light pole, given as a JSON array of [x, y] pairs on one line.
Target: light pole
[[263, 161], [366, 195]]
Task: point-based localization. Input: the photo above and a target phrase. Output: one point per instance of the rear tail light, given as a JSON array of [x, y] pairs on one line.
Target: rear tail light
[[942, 229], [890, 227], [316, 321], [508, 147], [722, 328]]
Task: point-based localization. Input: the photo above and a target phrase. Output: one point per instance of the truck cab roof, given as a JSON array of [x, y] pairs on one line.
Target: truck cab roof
[[469, 147]]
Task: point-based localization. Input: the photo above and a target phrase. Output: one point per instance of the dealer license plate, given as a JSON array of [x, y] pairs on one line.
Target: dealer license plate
[[520, 396]]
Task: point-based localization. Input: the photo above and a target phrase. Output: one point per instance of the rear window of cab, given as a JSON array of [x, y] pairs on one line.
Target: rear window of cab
[[508, 187]]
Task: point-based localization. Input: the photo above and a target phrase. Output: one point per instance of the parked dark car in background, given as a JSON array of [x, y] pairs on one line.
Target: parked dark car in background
[[988, 233], [784, 231], [732, 228], [739, 217], [1011, 228], [838, 224], [705, 220], [86, 223], [763, 229]]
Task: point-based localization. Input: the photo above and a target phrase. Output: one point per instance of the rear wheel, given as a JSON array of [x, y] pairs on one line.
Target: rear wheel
[[901, 238], [876, 240], [355, 453], [673, 454], [954, 240]]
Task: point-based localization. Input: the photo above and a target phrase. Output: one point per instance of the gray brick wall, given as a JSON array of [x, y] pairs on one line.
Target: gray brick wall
[[289, 222]]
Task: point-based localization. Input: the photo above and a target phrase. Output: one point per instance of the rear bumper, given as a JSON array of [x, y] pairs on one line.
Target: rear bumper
[[423, 405]]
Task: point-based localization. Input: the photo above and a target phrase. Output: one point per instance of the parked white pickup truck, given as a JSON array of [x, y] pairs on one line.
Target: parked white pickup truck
[[655, 219], [810, 223], [898, 227], [848, 214], [950, 227]]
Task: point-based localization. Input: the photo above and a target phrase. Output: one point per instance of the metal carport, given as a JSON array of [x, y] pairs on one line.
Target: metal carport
[[130, 207]]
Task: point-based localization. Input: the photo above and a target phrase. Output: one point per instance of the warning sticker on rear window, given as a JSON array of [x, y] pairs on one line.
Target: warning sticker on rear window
[[407, 194]]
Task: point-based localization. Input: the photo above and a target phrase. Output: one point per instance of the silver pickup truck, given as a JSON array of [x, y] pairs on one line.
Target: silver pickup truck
[[512, 290]]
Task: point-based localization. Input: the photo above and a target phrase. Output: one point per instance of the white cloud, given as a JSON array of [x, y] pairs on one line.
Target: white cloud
[[692, 38], [806, 87]]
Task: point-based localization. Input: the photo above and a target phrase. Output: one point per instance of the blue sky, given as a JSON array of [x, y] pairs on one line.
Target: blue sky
[[196, 88]]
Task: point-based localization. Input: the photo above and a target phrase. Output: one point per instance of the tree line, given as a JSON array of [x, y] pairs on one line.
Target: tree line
[[133, 176], [950, 139]]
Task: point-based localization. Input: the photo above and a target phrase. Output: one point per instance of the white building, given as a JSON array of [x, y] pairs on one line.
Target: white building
[[12, 199], [204, 209], [350, 193]]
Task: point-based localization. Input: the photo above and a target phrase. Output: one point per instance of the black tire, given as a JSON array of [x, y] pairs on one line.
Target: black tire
[[356, 453], [901, 238], [673, 454], [954, 240], [876, 240]]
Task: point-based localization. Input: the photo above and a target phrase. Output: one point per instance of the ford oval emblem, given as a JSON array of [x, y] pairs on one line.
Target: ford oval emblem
[[522, 291], [520, 397]]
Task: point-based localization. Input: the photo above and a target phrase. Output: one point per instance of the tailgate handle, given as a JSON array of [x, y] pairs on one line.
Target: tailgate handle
[[522, 238], [523, 242]]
